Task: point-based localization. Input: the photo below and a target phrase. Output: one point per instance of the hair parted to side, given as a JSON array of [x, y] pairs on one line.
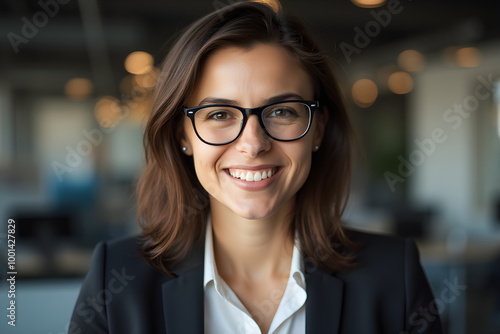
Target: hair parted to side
[[172, 204]]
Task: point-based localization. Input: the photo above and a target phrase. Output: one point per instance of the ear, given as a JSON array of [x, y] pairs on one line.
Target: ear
[[321, 119], [182, 137]]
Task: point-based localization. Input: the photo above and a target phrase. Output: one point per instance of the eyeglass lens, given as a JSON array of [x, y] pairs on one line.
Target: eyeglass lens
[[284, 121]]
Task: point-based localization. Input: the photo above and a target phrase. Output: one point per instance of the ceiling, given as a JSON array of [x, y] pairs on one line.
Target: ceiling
[[91, 38]]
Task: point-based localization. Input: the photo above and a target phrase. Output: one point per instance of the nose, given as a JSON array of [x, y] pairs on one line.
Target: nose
[[253, 140]]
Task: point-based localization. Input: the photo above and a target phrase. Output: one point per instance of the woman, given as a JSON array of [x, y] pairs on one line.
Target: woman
[[248, 164]]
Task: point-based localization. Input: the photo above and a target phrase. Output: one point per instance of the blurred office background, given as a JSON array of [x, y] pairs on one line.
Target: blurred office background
[[420, 79]]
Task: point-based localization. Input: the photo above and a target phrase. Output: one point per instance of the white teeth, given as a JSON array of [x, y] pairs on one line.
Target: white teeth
[[252, 176]]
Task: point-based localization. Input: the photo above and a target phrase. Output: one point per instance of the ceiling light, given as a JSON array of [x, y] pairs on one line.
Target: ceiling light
[[400, 82], [364, 92], [139, 62], [107, 111], [368, 3], [467, 57], [411, 61], [78, 88], [147, 80]]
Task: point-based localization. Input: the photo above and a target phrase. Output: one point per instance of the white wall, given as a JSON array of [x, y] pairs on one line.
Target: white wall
[[448, 178]]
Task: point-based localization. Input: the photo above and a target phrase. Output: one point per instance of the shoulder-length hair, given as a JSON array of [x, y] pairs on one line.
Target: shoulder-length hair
[[172, 204]]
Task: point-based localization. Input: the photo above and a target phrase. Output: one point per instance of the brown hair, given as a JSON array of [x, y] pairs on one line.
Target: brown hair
[[172, 204]]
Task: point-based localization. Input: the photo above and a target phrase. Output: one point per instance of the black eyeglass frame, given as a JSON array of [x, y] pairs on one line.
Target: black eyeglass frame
[[247, 112]]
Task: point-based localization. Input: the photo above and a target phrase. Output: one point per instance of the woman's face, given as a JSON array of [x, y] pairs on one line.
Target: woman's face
[[251, 78]]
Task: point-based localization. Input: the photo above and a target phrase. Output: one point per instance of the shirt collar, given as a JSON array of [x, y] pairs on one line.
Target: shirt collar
[[210, 268], [211, 274]]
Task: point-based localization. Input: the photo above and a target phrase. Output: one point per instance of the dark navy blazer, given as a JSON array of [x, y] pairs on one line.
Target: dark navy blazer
[[386, 293]]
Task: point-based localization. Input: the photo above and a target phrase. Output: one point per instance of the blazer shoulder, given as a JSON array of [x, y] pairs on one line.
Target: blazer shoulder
[[120, 252], [374, 239], [117, 275], [388, 274], [127, 252], [378, 246], [125, 248], [382, 256]]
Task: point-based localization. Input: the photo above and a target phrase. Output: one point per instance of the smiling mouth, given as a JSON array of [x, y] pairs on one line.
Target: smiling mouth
[[252, 175]]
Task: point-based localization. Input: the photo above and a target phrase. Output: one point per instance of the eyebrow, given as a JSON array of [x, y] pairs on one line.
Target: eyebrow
[[276, 98]]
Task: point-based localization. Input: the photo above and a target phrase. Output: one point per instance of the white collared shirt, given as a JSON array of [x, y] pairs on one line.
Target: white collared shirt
[[224, 312]]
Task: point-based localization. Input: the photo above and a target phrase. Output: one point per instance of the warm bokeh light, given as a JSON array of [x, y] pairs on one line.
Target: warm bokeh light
[[368, 3], [107, 111], [467, 57], [400, 82], [384, 73], [78, 88], [411, 61], [139, 109], [139, 62], [147, 80], [274, 4], [364, 92]]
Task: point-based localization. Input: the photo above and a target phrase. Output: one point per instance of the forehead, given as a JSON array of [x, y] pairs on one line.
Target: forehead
[[249, 75]]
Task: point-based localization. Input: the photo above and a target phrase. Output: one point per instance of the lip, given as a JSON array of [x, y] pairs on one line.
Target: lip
[[253, 185], [252, 167]]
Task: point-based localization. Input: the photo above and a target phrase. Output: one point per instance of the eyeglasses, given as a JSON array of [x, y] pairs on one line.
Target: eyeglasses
[[221, 124]]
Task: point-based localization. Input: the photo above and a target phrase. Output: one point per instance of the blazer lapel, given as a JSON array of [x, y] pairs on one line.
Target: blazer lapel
[[324, 302], [183, 301]]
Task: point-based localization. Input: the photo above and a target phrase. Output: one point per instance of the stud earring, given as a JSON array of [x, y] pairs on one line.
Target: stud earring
[[316, 148], [184, 148]]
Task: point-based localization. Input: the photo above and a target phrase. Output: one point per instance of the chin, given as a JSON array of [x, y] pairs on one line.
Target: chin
[[253, 212], [252, 215]]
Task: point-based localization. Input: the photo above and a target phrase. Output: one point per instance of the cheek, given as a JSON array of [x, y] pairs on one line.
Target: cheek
[[300, 160], [305, 161], [205, 163], [302, 155]]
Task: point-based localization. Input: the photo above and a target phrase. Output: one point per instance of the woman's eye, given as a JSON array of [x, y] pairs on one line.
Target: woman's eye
[[281, 113], [219, 115]]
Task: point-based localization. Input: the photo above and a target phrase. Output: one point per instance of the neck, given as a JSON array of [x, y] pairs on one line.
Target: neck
[[252, 249]]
